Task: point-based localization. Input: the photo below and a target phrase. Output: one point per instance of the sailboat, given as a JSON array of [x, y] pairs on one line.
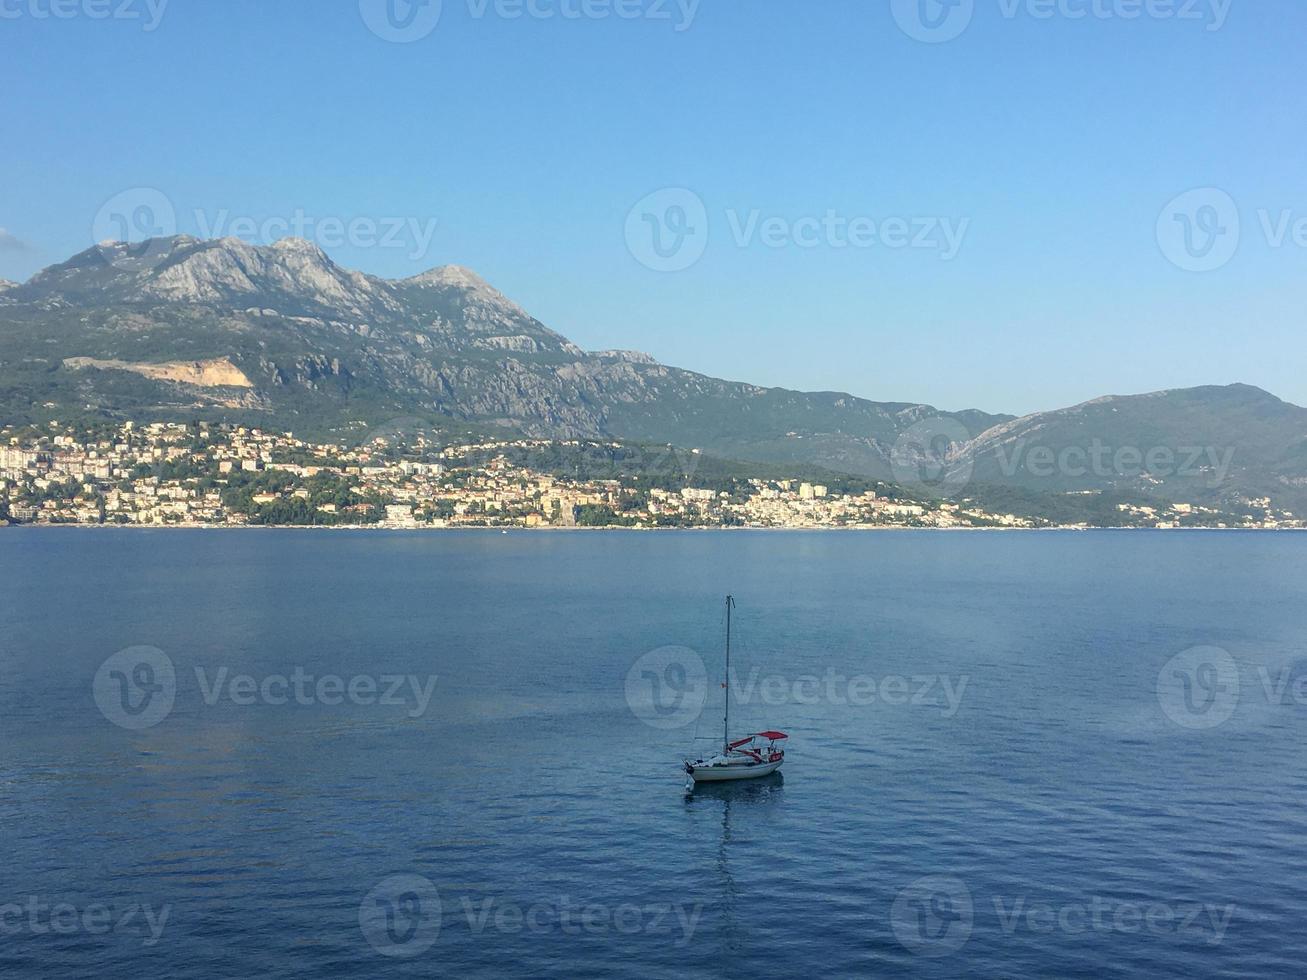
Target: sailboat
[[748, 757]]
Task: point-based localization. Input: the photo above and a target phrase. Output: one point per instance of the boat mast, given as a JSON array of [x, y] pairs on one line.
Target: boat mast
[[726, 723]]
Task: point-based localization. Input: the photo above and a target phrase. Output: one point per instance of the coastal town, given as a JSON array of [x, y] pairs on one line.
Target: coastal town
[[208, 475]]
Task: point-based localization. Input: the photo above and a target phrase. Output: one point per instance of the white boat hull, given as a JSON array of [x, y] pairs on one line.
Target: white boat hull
[[723, 772]]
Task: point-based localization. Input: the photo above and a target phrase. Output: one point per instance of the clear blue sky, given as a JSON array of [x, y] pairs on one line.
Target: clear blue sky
[[1060, 140]]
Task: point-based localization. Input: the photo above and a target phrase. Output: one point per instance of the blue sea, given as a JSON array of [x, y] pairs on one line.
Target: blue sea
[[365, 754]]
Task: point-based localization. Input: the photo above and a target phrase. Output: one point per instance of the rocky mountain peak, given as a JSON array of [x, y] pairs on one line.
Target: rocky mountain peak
[[456, 276], [625, 356], [300, 246], [292, 274], [466, 286]]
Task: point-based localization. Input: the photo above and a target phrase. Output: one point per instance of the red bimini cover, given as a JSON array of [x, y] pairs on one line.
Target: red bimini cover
[[770, 736]]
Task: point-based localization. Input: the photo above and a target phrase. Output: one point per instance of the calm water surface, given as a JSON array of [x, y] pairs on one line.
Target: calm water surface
[[982, 779]]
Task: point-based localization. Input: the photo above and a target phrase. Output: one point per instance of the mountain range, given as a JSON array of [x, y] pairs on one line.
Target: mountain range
[[283, 337]]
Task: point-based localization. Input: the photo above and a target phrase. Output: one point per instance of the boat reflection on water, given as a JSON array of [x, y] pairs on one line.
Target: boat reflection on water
[[764, 789], [749, 796]]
